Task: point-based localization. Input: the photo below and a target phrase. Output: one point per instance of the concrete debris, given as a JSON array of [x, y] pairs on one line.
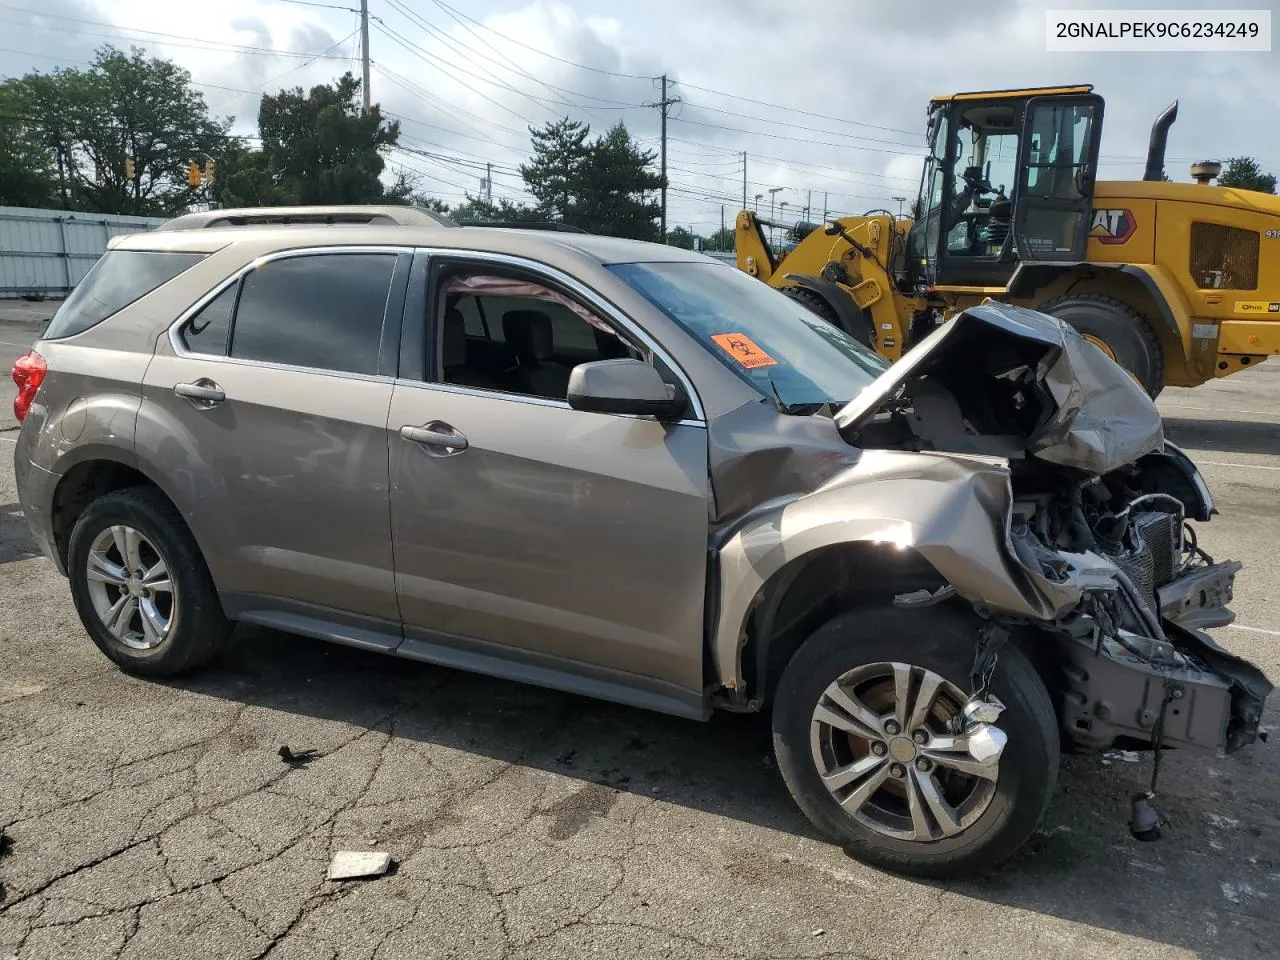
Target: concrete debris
[[349, 864], [1221, 822], [1124, 756]]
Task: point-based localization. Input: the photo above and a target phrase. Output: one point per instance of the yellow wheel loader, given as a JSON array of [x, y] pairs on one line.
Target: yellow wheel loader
[[1178, 282]]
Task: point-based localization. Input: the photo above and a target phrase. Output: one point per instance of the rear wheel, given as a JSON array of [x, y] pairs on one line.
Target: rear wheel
[[141, 587], [869, 734], [1118, 330]]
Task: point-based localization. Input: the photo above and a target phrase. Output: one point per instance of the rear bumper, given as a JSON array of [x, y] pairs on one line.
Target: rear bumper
[[1256, 337], [35, 495]]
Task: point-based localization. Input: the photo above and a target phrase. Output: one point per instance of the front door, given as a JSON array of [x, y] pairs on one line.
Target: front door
[[572, 542], [269, 416], [1057, 168]]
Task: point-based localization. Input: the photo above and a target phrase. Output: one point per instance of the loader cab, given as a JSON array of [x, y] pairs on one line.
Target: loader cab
[[1009, 178]]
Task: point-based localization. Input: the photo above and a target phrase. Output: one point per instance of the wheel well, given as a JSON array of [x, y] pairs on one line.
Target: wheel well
[[83, 484], [812, 589]]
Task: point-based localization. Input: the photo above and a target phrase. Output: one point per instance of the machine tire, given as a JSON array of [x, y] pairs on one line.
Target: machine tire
[[938, 640], [196, 624], [1125, 331], [818, 304]]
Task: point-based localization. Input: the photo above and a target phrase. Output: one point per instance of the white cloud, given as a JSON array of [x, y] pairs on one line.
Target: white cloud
[[876, 64]]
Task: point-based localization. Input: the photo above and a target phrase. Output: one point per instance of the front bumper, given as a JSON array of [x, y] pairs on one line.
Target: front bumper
[[1120, 688]]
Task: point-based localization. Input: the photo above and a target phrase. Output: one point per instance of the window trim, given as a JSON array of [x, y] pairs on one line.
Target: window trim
[[393, 299], [596, 302]]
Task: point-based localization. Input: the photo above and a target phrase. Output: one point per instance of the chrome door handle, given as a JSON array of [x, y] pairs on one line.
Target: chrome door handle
[[437, 435], [203, 393]]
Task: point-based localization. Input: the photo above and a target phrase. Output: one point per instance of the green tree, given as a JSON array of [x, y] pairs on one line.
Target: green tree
[[554, 175], [1245, 173], [723, 239], [684, 238], [617, 195], [26, 166], [118, 136], [603, 185], [477, 209], [317, 148]]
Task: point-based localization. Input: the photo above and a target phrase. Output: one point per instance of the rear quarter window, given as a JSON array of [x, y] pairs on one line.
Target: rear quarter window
[[118, 279]]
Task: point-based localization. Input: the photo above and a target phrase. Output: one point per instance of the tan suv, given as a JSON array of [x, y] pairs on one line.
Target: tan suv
[[633, 472]]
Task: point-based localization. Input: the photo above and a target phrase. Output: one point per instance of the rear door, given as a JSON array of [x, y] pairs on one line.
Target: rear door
[[1057, 170], [572, 543], [267, 411]]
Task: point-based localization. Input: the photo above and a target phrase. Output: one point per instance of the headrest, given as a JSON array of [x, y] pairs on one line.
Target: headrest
[[529, 333], [453, 350]]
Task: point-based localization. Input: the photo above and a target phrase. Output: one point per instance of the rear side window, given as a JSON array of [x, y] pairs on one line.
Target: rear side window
[[323, 311], [209, 330], [118, 279]]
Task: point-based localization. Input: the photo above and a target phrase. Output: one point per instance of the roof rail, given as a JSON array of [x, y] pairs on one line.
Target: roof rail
[[524, 225], [376, 214]]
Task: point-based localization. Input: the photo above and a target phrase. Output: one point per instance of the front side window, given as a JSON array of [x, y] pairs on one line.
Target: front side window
[[785, 351], [509, 333], [323, 311], [117, 279]]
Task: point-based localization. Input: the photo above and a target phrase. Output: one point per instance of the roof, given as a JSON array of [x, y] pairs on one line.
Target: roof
[[1021, 92]]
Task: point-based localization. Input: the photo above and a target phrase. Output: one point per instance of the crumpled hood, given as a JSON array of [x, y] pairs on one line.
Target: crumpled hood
[[1006, 372]]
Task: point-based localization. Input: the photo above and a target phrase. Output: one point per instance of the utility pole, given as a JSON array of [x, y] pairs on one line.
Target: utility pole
[[364, 50], [744, 180], [901, 201], [663, 105], [824, 206], [808, 203], [721, 237], [488, 183]]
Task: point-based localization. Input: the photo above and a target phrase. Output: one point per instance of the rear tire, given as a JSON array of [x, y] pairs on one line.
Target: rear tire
[[1126, 333], [141, 586], [994, 817]]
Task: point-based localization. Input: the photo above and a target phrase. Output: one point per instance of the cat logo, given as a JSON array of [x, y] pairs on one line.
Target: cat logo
[[1112, 226]]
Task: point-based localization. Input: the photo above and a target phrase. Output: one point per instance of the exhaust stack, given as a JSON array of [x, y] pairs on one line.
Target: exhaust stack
[[1159, 137]]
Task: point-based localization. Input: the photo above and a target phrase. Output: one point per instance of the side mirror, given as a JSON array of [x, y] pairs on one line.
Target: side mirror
[[624, 386]]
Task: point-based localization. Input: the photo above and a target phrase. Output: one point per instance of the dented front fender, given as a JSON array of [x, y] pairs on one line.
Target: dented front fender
[[954, 510]]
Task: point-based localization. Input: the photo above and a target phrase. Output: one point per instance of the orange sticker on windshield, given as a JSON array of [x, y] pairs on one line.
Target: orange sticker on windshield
[[743, 349]]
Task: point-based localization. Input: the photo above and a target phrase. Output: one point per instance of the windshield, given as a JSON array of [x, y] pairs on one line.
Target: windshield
[[785, 351]]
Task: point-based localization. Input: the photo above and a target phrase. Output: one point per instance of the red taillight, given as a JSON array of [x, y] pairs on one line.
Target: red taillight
[[28, 374]]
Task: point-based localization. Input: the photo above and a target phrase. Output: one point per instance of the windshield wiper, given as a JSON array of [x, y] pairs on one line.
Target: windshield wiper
[[796, 409]]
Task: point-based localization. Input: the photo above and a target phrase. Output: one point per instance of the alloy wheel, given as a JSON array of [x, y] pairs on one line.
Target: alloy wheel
[[131, 588], [896, 747]]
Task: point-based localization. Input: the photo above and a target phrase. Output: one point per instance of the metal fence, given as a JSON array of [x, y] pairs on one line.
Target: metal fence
[[45, 253]]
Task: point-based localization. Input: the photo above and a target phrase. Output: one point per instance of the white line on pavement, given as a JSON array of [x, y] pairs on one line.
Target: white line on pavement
[[1190, 406], [1223, 463], [9, 440], [1241, 626], [10, 343]]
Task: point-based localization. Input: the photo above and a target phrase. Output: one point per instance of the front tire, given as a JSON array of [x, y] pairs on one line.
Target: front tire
[[910, 798], [141, 586]]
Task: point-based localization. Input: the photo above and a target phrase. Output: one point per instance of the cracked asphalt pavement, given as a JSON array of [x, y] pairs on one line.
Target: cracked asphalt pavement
[[156, 820]]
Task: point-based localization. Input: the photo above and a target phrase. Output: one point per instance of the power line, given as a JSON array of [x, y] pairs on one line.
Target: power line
[[166, 37], [550, 56], [314, 3], [429, 58]]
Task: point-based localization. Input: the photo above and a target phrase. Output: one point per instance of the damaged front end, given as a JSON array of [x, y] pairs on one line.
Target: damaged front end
[[1098, 523]]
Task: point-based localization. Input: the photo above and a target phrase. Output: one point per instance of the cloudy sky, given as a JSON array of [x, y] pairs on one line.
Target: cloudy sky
[[825, 96]]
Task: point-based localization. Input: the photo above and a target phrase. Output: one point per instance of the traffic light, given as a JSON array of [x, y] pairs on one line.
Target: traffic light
[[193, 174], [128, 168]]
